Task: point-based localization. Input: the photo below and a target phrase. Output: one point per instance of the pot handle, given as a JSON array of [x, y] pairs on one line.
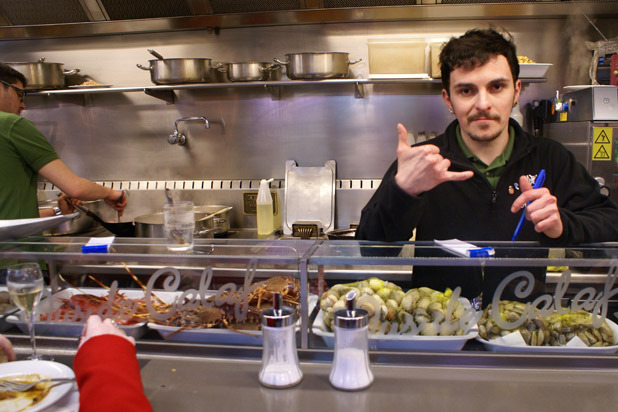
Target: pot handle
[[155, 54], [143, 68], [270, 68], [280, 62], [354, 61], [220, 67], [201, 233], [41, 59], [65, 72]]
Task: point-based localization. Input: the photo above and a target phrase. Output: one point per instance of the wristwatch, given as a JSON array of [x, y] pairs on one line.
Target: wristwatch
[[57, 211]]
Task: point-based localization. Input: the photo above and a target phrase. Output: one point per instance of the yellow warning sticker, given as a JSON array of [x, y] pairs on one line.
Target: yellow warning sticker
[[602, 143]]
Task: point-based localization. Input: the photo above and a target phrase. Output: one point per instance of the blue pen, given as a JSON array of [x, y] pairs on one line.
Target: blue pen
[[538, 182]]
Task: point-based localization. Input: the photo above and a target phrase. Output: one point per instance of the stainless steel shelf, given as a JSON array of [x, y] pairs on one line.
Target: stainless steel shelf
[[166, 92]]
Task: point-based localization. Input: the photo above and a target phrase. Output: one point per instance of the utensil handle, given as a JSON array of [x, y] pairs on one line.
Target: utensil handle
[[155, 54]]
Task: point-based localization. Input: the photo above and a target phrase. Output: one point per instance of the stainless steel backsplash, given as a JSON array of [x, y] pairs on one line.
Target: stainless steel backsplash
[[123, 136]]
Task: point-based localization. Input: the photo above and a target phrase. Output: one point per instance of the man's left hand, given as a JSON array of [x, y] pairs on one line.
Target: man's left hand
[[542, 210]]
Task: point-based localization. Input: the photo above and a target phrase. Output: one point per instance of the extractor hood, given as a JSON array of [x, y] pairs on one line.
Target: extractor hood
[[60, 18]]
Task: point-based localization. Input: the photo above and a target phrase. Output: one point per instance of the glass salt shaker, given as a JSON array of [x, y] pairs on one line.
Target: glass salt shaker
[[350, 370], [280, 367]]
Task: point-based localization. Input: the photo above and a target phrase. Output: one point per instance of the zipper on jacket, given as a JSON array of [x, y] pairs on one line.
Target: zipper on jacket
[[494, 197]]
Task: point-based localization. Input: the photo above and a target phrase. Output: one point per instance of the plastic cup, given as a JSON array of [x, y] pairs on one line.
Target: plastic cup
[[179, 225]]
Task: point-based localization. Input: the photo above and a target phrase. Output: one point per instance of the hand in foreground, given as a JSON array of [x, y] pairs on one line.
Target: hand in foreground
[[542, 211], [117, 200], [422, 168], [95, 327], [7, 348]]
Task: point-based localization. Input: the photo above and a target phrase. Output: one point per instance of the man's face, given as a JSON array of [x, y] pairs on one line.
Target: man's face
[[10, 100], [482, 99]]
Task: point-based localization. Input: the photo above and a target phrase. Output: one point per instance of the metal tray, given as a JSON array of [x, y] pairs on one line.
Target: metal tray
[[72, 329]]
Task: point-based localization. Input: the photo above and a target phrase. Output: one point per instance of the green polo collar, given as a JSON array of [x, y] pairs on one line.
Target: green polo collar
[[493, 171]]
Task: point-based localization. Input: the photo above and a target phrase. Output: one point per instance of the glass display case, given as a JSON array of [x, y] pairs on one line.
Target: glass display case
[[422, 297]]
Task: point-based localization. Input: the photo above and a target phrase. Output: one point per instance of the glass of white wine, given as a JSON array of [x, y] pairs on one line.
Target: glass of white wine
[[25, 285]]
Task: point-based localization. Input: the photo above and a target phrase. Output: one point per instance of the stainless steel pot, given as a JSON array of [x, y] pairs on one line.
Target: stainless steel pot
[[220, 217], [177, 71], [250, 71], [153, 225], [314, 66], [80, 224], [40, 75]]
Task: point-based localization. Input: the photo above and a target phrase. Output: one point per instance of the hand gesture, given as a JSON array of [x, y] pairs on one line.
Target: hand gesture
[[422, 168], [542, 210], [95, 327]]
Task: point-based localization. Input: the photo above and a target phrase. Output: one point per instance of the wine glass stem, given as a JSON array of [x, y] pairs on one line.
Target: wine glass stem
[[31, 330]]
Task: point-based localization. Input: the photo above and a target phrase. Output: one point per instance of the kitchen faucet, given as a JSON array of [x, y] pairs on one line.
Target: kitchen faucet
[[179, 138]]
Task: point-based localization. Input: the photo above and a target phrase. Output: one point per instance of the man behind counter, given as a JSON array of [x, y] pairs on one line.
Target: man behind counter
[[471, 182], [25, 152]]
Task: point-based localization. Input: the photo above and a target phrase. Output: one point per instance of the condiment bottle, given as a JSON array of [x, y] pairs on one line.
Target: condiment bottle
[[350, 370], [280, 367], [264, 206]]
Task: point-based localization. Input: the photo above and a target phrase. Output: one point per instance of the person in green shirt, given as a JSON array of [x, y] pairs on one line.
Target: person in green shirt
[[26, 154]]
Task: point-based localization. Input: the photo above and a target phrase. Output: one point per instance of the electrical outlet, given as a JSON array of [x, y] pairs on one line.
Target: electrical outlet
[[249, 203]]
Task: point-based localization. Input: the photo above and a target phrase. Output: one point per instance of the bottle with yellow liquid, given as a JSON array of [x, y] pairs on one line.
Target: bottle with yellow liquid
[[265, 215]]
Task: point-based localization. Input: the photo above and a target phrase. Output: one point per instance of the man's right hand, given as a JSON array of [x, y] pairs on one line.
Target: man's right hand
[[117, 200], [422, 168]]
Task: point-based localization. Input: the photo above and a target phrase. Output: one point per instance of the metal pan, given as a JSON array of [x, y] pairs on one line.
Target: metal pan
[[177, 71], [124, 229], [317, 66], [153, 225], [40, 75], [250, 71]]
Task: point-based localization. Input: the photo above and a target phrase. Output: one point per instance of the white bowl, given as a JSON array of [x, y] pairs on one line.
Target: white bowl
[[533, 70]]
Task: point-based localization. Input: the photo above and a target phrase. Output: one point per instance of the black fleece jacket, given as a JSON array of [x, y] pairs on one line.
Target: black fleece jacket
[[472, 210]]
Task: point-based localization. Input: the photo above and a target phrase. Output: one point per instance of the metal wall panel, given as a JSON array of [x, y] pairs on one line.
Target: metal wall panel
[[123, 136]]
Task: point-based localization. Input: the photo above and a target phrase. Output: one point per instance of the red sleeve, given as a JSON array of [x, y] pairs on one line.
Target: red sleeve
[[108, 376]]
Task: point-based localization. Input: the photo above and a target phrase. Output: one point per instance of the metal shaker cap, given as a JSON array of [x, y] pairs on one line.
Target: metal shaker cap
[[350, 317], [278, 316]]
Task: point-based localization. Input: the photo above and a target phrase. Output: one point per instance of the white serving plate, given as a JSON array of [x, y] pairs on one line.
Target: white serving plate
[[89, 86], [17, 228], [207, 335], [498, 347], [403, 342], [72, 329], [533, 70], [44, 369]]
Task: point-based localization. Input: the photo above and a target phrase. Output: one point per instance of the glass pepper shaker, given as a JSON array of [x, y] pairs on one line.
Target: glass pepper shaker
[[280, 367], [351, 370]]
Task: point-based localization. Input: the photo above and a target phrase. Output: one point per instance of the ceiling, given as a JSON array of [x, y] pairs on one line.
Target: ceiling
[[68, 18], [31, 12]]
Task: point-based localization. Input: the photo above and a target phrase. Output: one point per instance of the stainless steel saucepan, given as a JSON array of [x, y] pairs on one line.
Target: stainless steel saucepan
[[153, 225], [250, 71], [317, 65], [177, 71], [41, 75]]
